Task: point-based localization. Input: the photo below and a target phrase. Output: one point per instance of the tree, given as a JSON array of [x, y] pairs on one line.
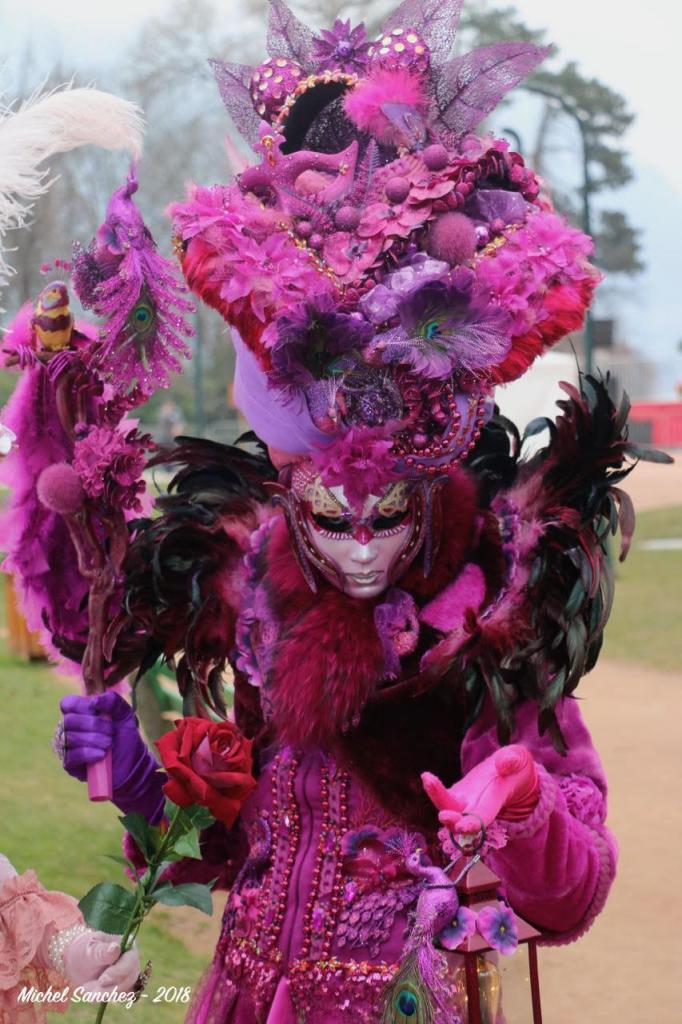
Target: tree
[[602, 118]]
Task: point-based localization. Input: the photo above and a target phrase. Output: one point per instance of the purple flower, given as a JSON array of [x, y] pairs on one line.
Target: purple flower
[[459, 929], [341, 47], [360, 461], [497, 926], [310, 340]]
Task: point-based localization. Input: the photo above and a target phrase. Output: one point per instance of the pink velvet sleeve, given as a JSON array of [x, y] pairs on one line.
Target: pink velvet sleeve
[[560, 861]]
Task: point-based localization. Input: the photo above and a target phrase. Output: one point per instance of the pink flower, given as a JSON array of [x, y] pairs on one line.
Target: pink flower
[[380, 219], [360, 461], [349, 257], [110, 465]]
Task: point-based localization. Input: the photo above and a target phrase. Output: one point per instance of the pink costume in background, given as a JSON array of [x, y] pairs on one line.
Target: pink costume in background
[[27, 913]]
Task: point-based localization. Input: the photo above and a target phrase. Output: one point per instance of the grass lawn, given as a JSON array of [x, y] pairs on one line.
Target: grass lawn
[[645, 624], [48, 823]]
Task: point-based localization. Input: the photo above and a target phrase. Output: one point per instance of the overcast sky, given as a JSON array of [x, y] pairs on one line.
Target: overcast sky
[[635, 53]]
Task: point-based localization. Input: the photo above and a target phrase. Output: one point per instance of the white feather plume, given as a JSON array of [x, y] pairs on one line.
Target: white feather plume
[[50, 123]]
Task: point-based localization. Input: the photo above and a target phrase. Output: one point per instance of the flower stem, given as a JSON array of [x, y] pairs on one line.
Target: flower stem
[[144, 899]]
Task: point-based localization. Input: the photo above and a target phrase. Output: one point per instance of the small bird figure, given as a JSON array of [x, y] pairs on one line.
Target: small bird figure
[[418, 994], [52, 320]]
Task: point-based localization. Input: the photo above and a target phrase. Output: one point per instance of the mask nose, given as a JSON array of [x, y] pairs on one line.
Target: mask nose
[[363, 554]]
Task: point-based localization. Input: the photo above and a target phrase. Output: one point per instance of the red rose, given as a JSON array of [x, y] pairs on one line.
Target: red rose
[[208, 763]]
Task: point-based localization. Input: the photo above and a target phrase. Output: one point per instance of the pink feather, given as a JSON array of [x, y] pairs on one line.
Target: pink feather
[[364, 103]]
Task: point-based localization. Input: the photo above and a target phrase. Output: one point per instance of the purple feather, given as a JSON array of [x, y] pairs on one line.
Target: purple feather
[[469, 87]]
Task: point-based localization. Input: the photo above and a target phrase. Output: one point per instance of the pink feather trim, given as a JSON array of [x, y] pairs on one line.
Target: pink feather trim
[[446, 612], [364, 103]]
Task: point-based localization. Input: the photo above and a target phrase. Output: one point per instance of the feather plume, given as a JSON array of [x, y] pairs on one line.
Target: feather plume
[[49, 123], [544, 630]]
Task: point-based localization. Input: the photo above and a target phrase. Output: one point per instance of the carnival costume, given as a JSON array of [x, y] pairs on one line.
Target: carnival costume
[[406, 602]]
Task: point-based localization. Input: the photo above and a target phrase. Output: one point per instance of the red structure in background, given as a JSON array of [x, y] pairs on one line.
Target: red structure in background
[[657, 423]]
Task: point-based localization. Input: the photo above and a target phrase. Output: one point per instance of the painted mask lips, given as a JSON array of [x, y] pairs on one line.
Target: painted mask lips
[[364, 577]]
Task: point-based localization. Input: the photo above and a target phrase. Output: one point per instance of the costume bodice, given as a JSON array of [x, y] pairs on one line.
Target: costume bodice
[[324, 896]]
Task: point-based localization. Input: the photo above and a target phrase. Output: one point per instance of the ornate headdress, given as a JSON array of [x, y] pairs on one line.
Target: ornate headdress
[[382, 267]]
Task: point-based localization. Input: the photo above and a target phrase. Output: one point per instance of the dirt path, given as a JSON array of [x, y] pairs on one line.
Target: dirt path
[[627, 969]]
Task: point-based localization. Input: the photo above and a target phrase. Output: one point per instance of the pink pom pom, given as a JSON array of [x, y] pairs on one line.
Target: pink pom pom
[[347, 218], [59, 489], [452, 238], [397, 189], [398, 87]]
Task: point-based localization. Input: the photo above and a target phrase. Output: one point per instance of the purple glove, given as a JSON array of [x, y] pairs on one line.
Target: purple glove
[[93, 725]]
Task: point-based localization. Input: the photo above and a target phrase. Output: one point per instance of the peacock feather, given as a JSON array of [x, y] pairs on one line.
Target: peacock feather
[[408, 1001]]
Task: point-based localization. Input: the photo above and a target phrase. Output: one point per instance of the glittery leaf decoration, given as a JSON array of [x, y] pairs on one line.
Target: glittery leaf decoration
[[469, 87], [233, 86], [287, 36]]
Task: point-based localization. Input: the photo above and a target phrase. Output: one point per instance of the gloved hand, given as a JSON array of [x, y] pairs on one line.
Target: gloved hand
[[504, 785], [93, 725], [90, 959]]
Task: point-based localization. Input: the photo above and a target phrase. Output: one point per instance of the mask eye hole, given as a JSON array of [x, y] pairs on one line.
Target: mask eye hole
[[383, 523], [332, 524]]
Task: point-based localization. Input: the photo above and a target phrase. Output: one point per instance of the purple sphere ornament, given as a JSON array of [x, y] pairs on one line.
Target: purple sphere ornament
[[435, 157], [271, 83], [452, 238], [303, 229], [347, 218], [397, 189], [482, 235], [402, 48]]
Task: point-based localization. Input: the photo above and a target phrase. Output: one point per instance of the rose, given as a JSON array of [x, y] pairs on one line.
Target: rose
[[208, 763]]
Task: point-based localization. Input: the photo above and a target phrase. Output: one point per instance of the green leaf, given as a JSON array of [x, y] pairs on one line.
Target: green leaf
[[142, 832], [200, 816], [187, 895], [122, 860], [187, 845], [194, 816], [108, 907]]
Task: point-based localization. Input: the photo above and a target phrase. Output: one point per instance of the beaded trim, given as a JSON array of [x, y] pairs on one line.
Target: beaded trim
[[57, 946], [286, 832], [321, 913]]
